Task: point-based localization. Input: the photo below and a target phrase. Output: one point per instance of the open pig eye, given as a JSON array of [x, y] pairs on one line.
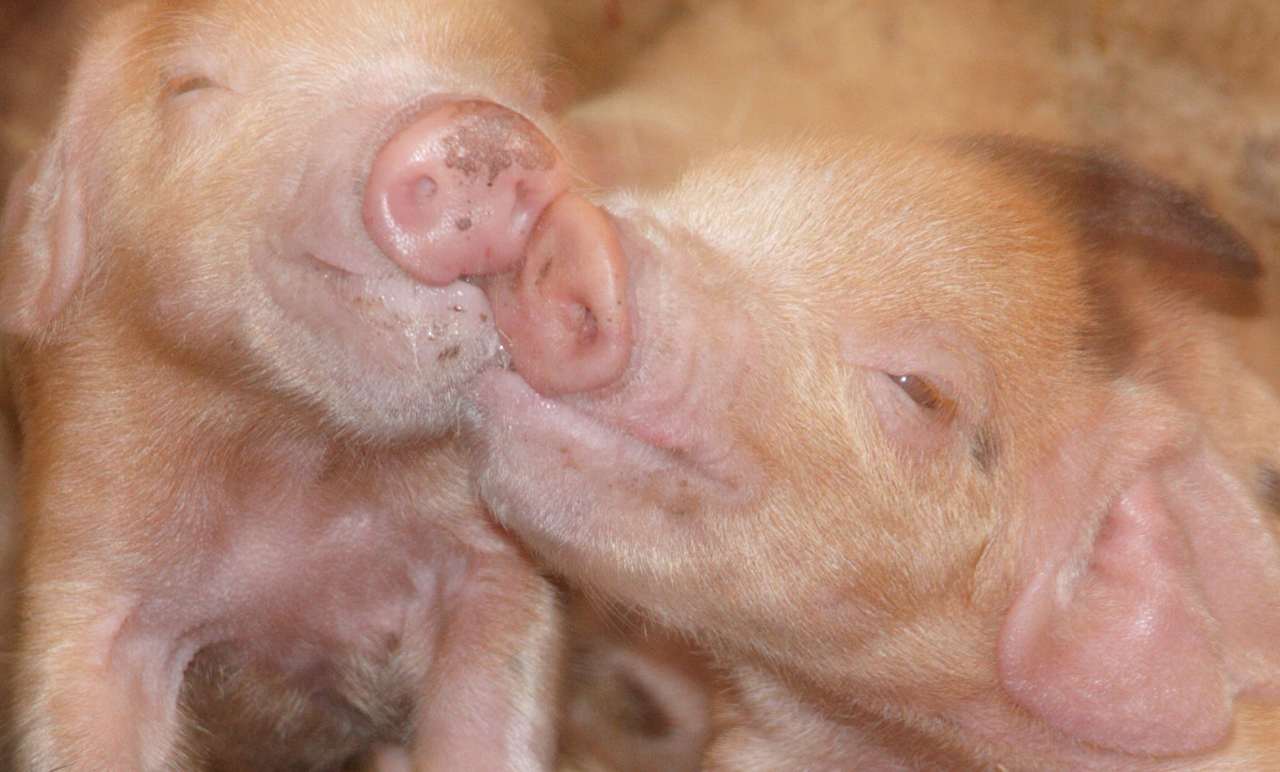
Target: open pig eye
[[924, 393]]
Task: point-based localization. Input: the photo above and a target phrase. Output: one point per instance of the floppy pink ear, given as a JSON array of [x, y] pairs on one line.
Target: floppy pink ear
[[1140, 639], [43, 242], [43, 227]]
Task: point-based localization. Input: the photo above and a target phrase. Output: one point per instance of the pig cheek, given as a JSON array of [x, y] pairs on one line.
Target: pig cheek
[[192, 282]]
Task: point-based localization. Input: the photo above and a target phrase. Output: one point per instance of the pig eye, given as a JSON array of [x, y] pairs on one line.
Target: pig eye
[[924, 393], [188, 84]]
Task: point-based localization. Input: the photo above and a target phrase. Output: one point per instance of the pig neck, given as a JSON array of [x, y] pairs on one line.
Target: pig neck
[[166, 447]]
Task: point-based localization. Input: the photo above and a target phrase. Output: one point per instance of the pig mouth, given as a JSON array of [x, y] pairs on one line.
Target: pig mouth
[[514, 412], [325, 295]]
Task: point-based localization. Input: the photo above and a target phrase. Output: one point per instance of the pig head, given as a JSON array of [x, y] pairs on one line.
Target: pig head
[[941, 448], [275, 132], [232, 303]]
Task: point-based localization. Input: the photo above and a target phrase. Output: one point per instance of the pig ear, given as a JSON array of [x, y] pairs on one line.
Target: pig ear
[[1118, 208], [1140, 639], [43, 234], [43, 228]]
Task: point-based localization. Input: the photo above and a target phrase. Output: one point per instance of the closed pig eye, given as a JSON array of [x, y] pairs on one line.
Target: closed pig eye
[[187, 84]]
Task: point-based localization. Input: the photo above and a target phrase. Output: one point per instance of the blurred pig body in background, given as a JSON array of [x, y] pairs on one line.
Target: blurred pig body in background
[[236, 346]]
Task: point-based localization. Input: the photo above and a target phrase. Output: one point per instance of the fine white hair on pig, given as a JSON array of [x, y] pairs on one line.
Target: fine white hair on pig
[[945, 449]]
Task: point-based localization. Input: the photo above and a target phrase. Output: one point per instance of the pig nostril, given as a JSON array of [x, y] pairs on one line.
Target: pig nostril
[[544, 271], [583, 321], [424, 189]]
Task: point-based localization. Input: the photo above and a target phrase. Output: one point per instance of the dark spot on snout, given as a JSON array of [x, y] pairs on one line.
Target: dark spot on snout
[[638, 712], [1269, 486], [569, 461], [449, 353], [985, 449], [684, 504], [463, 223], [492, 139]]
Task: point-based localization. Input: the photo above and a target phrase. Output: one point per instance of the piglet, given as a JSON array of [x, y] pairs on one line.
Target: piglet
[[231, 291], [941, 448]]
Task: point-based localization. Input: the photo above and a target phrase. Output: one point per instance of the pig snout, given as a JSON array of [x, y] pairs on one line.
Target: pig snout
[[564, 313], [457, 191]]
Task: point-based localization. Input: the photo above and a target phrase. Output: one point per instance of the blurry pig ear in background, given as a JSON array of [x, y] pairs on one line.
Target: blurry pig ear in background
[[1118, 210], [42, 255]]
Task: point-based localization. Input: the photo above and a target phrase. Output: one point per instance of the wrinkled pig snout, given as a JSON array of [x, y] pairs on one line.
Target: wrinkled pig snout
[[457, 191], [564, 313]]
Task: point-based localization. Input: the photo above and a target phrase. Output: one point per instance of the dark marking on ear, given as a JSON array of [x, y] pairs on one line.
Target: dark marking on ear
[[1118, 210], [1269, 486], [638, 712], [985, 448], [1109, 335]]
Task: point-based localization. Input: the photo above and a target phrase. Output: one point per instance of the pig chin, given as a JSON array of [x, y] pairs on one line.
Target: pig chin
[[383, 353]]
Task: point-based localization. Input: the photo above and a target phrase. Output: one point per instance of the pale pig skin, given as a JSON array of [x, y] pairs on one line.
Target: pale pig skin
[[236, 349], [942, 449]]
